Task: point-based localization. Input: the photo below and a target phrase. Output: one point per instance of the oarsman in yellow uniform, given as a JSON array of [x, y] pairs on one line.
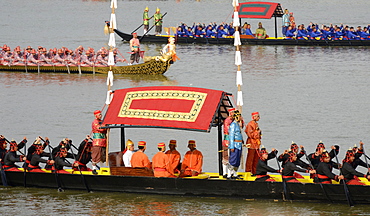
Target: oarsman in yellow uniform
[[146, 19], [158, 21]]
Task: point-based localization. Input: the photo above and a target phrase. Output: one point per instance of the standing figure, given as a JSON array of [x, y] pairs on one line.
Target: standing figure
[[253, 143], [174, 156], [127, 155], [99, 141], [291, 20], [226, 142], [286, 22], [161, 163], [193, 161], [158, 21], [139, 158], [135, 49], [146, 19], [235, 146]]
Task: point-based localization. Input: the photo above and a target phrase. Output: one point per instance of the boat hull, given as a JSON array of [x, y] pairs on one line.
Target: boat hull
[[192, 187], [149, 67], [246, 41]]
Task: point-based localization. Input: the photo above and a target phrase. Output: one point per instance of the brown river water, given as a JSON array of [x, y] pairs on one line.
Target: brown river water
[[304, 94]]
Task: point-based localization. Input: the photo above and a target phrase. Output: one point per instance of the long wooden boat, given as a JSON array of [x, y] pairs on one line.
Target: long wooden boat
[[150, 67], [245, 41], [195, 109]]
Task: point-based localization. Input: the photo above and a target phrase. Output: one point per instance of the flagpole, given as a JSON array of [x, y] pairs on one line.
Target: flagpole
[[238, 62], [111, 44]]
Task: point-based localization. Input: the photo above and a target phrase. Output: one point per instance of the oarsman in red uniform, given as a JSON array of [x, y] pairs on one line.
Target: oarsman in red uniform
[[193, 161], [37, 155], [225, 142], [263, 168], [290, 168], [59, 58], [102, 59], [174, 156], [84, 154], [349, 172], [99, 141], [135, 49], [7, 56], [60, 162], [324, 170], [253, 143], [32, 59], [87, 60], [139, 158], [161, 163], [11, 157]]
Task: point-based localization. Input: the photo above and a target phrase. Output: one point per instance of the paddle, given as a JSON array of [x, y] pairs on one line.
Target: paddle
[[151, 28], [363, 150], [79, 169], [346, 191], [316, 178], [141, 25], [285, 194], [56, 173]]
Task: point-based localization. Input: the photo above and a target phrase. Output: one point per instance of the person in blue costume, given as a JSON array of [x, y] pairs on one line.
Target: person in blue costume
[[338, 34], [180, 32], [351, 34], [221, 32], [198, 31], [235, 145], [290, 32], [286, 22], [230, 29], [363, 34], [325, 33], [210, 32], [302, 33], [189, 32], [314, 34]]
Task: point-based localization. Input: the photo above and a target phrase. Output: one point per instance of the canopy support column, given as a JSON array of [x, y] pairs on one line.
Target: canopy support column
[[275, 26], [219, 136], [123, 139]]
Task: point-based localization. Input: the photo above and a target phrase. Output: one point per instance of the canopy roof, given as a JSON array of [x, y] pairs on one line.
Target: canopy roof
[[175, 107], [260, 10]]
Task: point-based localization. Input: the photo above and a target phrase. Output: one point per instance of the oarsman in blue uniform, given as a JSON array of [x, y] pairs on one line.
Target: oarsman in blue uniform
[[351, 34], [235, 146], [198, 32], [230, 29], [221, 32], [314, 34], [302, 33], [209, 32], [363, 34], [290, 32]]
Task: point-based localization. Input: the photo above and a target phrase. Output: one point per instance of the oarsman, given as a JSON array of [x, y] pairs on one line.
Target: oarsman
[[315, 157], [263, 168], [11, 158], [99, 141], [127, 155], [146, 19], [116, 58], [70, 58], [7, 56], [87, 60], [135, 49], [235, 146], [60, 161], [102, 59], [139, 158], [221, 33], [350, 174], [358, 153], [84, 155], [193, 161], [324, 170], [18, 58], [174, 156], [32, 149], [161, 163], [43, 58], [36, 158], [33, 58], [284, 157], [158, 21], [290, 168], [253, 143], [225, 142]]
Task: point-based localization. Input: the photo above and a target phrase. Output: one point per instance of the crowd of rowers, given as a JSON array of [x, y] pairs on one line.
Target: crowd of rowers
[[327, 32], [211, 30], [319, 164], [54, 160], [164, 163], [57, 57]]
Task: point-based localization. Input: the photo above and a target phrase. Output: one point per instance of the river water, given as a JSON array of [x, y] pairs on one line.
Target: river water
[[304, 94]]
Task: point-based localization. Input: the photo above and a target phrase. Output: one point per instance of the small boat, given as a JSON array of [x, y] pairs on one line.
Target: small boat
[[192, 109], [152, 66]]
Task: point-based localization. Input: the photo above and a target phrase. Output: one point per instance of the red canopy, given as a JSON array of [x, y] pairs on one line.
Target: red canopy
[[260, 10], [166, 107]]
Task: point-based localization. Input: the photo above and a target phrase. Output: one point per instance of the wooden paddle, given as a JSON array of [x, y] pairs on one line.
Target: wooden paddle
[[346, 191], [363, 150], [79, 169], [151, 28], [141, 25], [316, 178], [285, 194], [55, 173]]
